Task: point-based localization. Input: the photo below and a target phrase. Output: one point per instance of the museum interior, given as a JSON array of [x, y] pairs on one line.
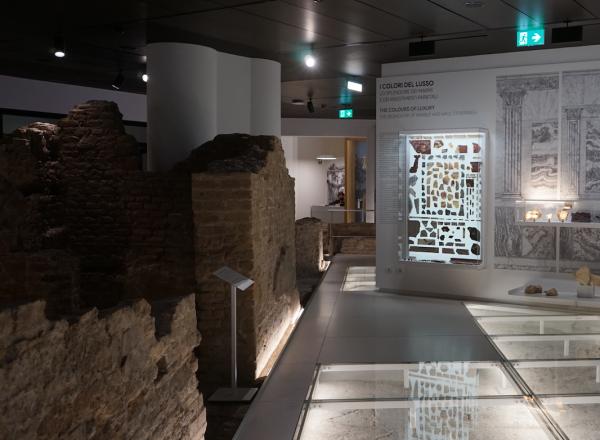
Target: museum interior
[[300, 220]]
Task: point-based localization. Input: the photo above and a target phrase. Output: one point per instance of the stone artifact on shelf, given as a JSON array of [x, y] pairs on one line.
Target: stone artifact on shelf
[[562, 214], [533, 215], [533, 288], [581, 217], [586, 282], [551, 292]]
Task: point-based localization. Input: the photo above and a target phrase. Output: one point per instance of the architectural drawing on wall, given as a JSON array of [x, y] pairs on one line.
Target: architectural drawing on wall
[[335, 182], [547, 166], [527, 135], [581, 135], [444, 196], [527, 141]]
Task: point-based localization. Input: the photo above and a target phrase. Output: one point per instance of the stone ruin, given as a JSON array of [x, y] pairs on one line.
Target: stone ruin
[[82, 229], [121, 375]]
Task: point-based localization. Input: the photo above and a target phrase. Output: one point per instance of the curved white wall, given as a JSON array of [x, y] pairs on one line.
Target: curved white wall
[[195, 93]]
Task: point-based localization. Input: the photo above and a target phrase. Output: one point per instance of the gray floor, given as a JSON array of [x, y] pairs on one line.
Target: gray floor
[[358, 327]]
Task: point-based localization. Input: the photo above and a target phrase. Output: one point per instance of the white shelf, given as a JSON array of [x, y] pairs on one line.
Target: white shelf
[[564, 298], [542, 223]]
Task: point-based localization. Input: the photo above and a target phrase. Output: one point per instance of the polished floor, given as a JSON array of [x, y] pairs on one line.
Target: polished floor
[[368, 365]]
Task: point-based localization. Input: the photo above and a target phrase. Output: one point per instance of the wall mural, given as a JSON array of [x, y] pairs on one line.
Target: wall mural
[[444, 197], [550, 150]]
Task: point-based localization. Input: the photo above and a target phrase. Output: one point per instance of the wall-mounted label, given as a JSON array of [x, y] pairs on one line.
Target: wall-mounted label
[[530, 37], [345, 113]]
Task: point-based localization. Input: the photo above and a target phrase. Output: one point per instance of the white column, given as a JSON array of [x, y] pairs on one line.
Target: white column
[[265, 110], [182, 101]]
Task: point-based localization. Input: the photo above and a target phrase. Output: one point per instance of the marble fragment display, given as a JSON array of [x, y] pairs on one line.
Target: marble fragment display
[[444, 197]]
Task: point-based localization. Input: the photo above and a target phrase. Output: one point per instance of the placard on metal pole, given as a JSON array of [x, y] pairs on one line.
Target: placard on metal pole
[[233, 394]]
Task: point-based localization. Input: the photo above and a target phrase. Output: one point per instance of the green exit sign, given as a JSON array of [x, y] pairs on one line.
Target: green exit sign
[[530, 37], [346, 113]]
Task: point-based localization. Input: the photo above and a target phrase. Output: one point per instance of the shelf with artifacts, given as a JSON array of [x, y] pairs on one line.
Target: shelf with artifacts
[[556, 214]]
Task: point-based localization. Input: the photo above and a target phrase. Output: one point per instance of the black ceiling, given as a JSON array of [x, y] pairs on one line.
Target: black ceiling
[[351, 38]]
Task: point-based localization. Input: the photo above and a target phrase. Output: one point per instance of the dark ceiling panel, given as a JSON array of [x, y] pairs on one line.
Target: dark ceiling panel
[[492, 14], [312, 23], [241, 27], [551, 11], [364, 16], [592, 6], [427, 14]]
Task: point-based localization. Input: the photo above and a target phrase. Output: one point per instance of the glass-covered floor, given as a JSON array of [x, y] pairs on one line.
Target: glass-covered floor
[[546, 387]]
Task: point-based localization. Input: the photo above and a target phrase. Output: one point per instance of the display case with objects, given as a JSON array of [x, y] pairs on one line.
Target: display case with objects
[[443, 181]]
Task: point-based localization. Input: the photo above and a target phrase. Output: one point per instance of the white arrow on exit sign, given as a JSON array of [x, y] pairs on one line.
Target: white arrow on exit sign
[[536, 37]]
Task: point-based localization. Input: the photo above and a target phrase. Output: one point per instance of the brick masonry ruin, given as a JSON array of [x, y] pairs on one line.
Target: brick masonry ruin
[[122, 375], [81, 227], [243, 205]]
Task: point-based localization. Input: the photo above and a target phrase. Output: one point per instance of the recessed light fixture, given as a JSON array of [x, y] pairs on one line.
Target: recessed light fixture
[[474, 4], [59, 47], [354, 86], [145, 77], [322, 157], [118, 81], [310, 60]]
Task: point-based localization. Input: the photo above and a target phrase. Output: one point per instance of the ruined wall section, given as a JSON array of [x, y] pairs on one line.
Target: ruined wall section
[[117, 376], [276, 300], [243, 204], [81, 225]]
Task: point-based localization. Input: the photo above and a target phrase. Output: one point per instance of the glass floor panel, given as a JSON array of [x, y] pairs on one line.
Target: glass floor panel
[[561, 377], [539, 325], [359, 278], [487, 309], [464, 419], [577, 416], [542, 347], [547, 387], [424, 380]]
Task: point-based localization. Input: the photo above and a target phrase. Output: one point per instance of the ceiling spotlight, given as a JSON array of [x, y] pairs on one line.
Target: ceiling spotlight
[[145, 77], [310, 106], [59, 47], [474, 3], [118, 81], [354, 86], [310, 60]]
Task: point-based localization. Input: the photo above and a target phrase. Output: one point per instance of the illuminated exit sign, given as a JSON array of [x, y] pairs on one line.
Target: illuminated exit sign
[[530, 37], [345, 113]]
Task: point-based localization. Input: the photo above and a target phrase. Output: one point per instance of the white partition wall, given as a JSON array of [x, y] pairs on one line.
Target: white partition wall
[[195, 92], [542, 112]]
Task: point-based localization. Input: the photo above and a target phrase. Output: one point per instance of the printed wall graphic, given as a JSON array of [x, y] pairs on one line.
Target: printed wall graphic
[[543, 160], [335, 182], [527, 135], [581, 134], [445, 197]]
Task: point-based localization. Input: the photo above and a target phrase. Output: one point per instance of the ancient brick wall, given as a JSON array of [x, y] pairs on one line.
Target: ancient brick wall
[[81, 226], [309, 247], [354, 238], [117, 376], [243, 204]]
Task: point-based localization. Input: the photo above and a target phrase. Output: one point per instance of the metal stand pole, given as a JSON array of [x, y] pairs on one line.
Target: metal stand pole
[[233, 338]]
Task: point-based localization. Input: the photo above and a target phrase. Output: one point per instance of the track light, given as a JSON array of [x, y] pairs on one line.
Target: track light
[[145, 77], [59, 47], [310, 60], [118, 81]]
